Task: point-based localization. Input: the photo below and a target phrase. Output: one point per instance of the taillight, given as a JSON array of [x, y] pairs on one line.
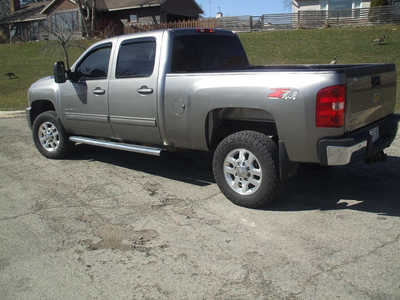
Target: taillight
[[331, 104]]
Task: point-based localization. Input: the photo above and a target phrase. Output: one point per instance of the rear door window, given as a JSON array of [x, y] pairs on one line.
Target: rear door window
[[136, 58]]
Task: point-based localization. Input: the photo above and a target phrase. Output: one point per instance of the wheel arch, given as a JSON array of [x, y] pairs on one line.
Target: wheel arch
[[222, 122], [40, 106]]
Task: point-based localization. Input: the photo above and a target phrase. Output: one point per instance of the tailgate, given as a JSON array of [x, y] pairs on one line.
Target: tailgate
[[371, 94]]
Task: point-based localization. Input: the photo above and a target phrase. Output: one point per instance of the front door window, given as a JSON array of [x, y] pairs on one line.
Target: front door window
[[95, 65]]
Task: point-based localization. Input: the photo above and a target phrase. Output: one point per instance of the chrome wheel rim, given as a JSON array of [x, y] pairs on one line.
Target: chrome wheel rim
[[49, 136], [242, 172]]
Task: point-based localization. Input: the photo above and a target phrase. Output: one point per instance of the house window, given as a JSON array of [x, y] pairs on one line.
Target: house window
[[324, 4], [340, 4], [340, 8], [133, 18], [65, 21]]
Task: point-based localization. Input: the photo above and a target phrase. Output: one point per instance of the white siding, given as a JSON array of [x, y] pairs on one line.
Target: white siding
[[316, 5], [307, 5], [366, 4]]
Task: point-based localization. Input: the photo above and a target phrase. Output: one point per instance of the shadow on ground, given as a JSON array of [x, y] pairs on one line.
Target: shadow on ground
[[366, 187], [189, 167]]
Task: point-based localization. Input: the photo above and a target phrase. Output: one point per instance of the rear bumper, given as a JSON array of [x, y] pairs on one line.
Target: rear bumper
[[358, 144]]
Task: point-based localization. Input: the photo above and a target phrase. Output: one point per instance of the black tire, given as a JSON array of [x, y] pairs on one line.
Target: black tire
[[64, 146], [266, 152]]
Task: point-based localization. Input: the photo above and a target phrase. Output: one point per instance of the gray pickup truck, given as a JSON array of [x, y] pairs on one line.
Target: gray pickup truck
[[195, 89]]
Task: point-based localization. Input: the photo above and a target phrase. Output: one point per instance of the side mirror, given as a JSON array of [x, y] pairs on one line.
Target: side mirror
[[59, 72], [73, 76]]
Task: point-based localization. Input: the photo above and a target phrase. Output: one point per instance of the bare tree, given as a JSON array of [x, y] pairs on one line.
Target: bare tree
[[87, 10], [4, 8], [60, 34]]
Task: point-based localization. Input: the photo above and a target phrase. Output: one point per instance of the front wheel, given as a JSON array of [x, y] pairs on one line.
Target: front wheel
[[245, 167], [49, 136]]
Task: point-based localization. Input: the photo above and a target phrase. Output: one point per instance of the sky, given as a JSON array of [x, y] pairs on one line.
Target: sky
[[242, 7]]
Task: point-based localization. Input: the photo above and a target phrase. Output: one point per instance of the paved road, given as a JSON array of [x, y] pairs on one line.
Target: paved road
[[113, 225]]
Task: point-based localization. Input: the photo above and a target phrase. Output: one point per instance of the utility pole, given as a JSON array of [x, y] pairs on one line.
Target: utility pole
[[210, 8]]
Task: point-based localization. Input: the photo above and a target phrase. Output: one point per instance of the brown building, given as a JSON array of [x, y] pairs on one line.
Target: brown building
[[29, 22], [24, 22]]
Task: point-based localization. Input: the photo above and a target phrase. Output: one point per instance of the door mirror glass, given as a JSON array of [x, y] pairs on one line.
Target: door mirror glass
[[59, 72]]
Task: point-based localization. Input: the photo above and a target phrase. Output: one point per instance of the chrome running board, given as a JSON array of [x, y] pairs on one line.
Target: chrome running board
[[117, 146]]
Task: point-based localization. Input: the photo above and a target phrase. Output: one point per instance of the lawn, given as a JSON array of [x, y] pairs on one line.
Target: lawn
[[30, 61]]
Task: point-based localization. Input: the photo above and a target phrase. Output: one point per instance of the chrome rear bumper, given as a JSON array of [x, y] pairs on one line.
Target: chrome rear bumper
[[359, 144], [341, 155]]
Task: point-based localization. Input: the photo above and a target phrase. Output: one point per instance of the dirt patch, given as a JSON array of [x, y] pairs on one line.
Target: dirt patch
[[166, 201], [39, 205], [122, 238], [4, 263], [151, 188]]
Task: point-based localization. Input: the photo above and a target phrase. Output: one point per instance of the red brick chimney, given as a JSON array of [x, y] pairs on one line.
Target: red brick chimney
[[14, 5]]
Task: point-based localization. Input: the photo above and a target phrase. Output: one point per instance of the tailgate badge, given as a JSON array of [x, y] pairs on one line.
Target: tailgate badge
[[284, 94]]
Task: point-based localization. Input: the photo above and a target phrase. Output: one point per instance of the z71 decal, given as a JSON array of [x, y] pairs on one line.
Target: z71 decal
[[284, 94]]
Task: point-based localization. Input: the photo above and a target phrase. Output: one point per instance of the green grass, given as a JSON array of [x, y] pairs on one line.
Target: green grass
[[29, 61], [351, 45]]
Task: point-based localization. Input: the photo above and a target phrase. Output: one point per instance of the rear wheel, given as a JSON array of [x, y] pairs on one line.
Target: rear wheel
[[49, 136], [245, 167]]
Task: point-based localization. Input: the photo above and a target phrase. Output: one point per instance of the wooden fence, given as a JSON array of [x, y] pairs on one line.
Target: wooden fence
[[320, 18], [301, 19], [202, 23]]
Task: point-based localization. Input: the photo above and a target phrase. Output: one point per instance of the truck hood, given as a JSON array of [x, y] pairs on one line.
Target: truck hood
[[43, 89], [43, 82]]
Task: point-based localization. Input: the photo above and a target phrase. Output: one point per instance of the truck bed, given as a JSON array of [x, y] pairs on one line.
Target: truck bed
[[371, 89]]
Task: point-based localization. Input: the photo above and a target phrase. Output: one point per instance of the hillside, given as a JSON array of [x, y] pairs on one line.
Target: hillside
[[30, 61]]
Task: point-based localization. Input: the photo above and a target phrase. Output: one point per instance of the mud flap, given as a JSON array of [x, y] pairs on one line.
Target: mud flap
[[287, 168]]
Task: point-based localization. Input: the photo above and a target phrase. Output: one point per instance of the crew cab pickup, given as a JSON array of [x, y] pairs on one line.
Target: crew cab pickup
[[194, 89]]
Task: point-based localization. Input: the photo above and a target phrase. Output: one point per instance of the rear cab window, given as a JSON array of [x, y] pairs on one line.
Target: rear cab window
[[207, 52]]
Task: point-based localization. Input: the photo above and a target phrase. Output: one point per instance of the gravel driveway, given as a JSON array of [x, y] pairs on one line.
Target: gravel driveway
[[113, 225]]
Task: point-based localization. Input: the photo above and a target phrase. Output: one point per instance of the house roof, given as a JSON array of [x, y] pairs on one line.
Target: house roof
[[29, 12], [36, 10], [110, 5], [181, 7], [50, 4]]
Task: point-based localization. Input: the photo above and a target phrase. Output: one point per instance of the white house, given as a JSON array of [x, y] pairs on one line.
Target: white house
[[328, 5]]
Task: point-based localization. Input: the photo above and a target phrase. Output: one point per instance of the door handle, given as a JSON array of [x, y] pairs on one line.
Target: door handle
[[99, 91], [144, 90]]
